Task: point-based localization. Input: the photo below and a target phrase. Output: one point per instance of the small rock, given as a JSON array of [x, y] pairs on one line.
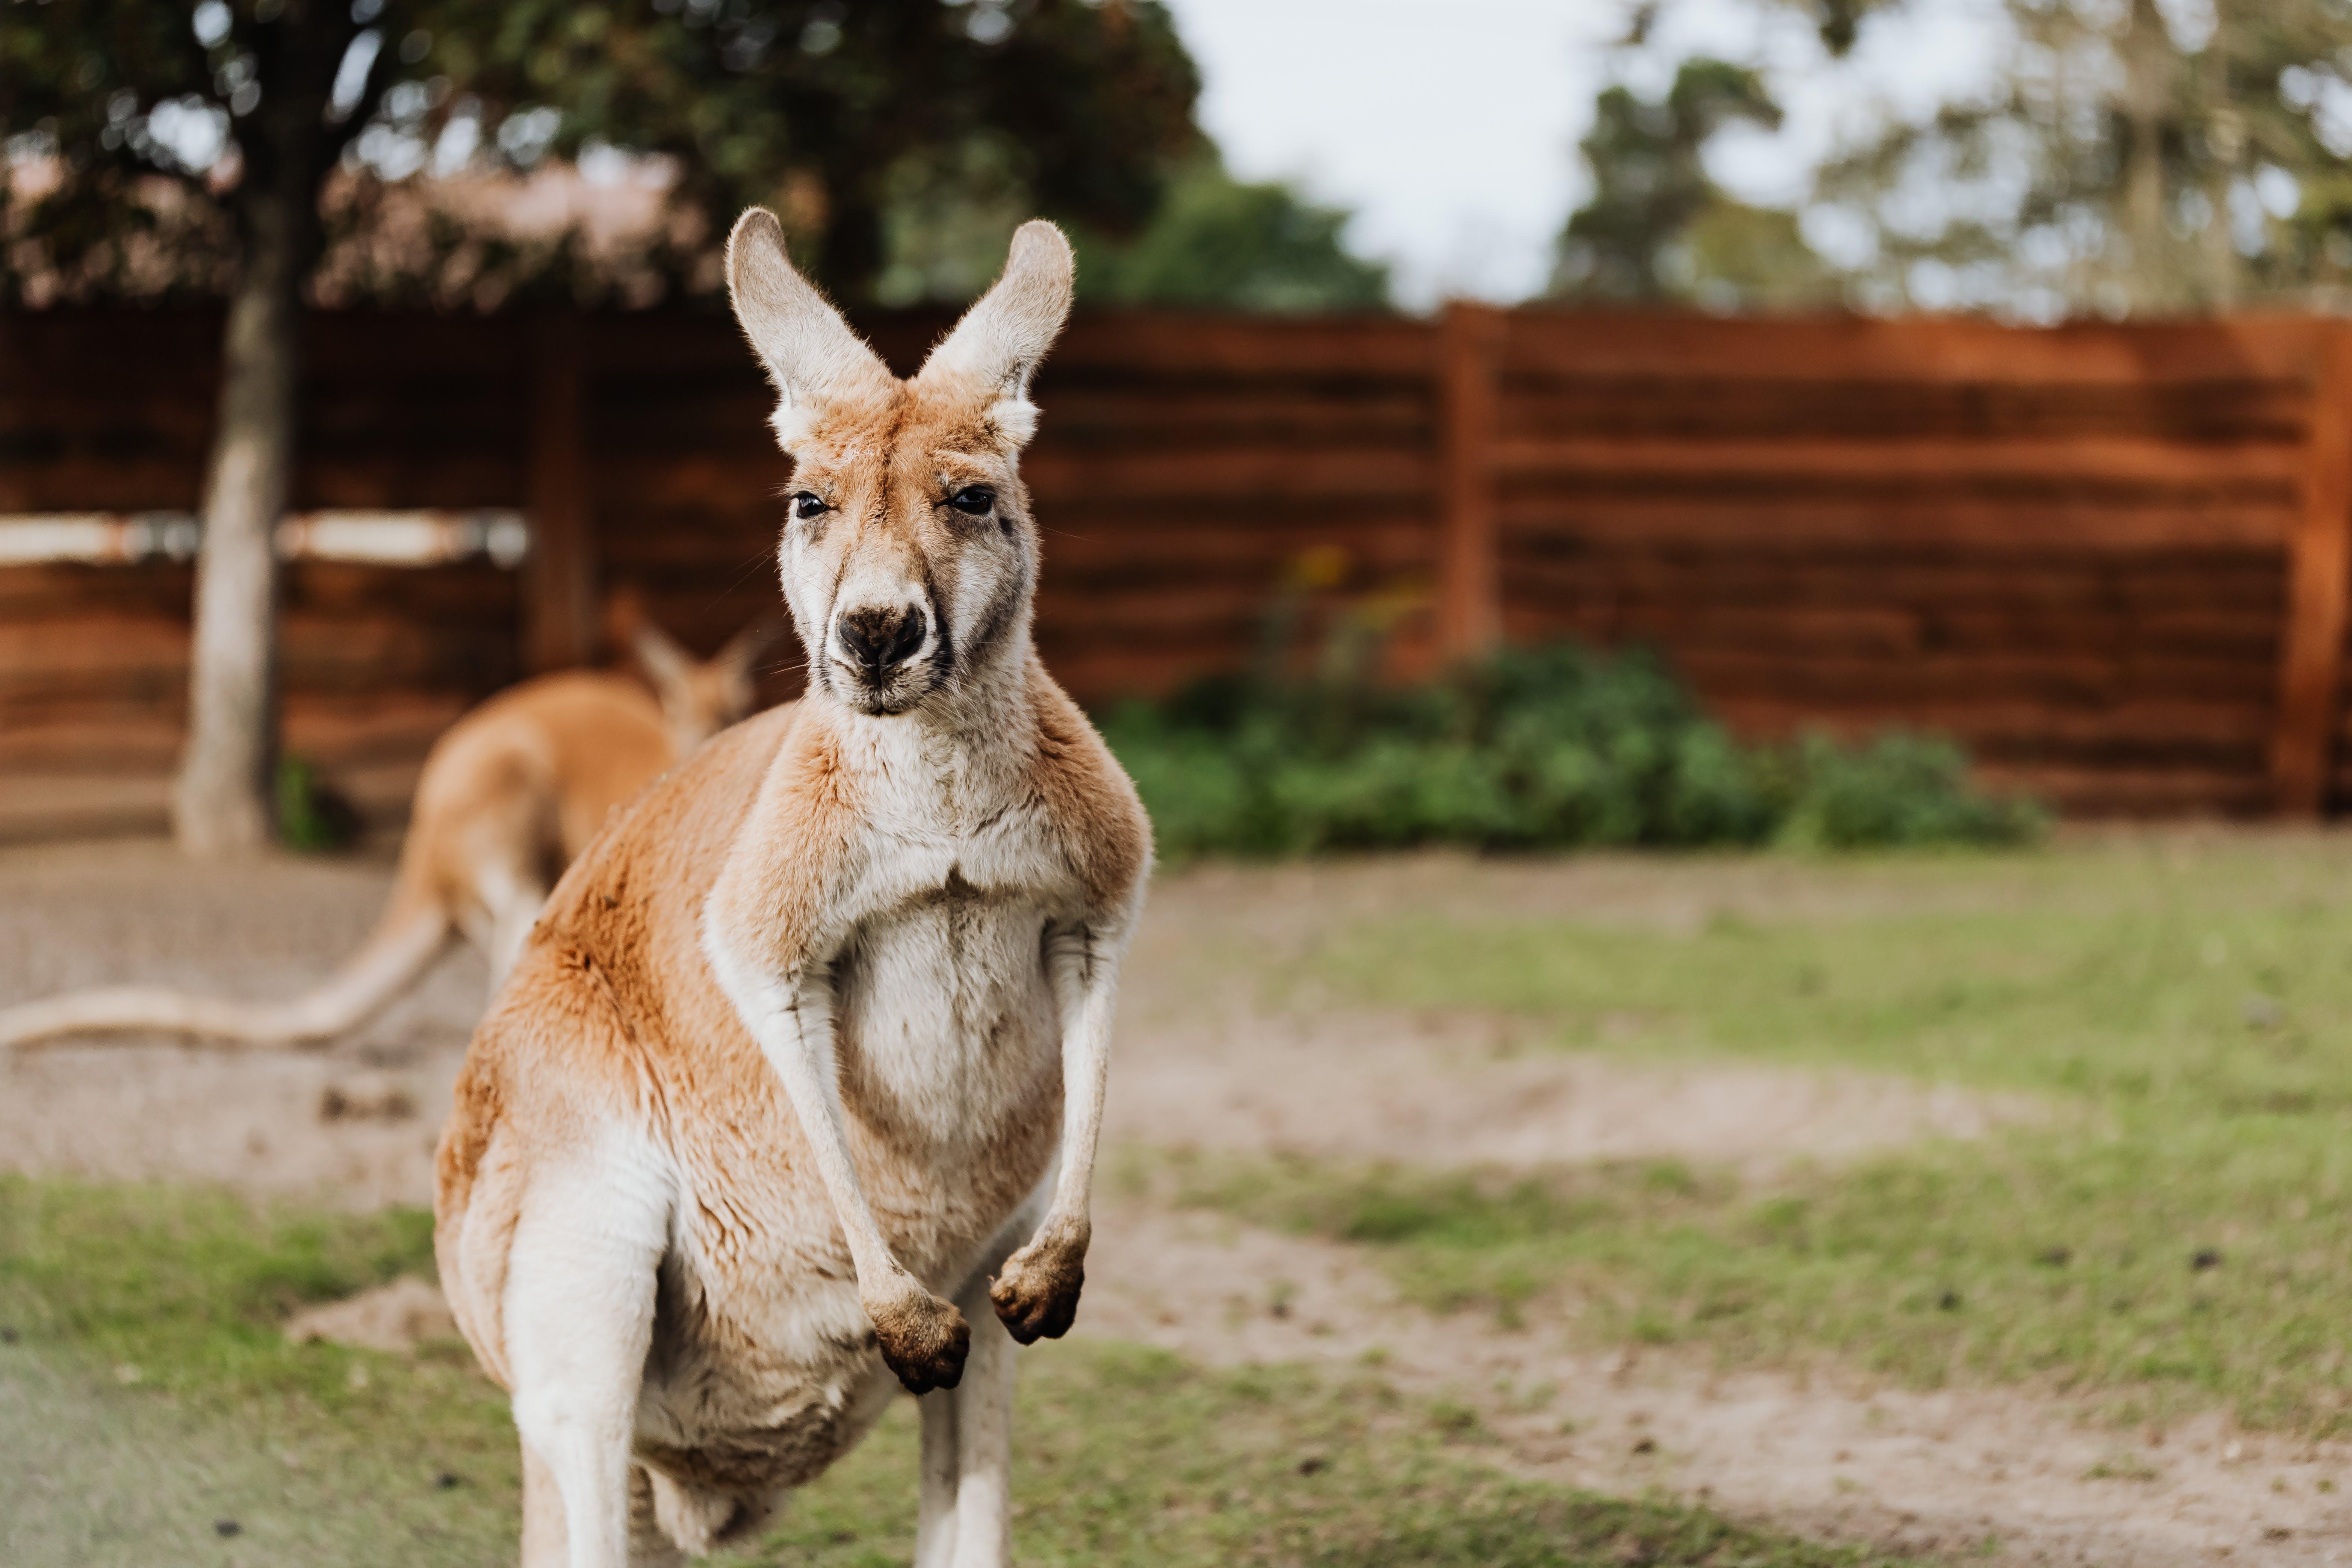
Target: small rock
[[367, 1096], [226, 1527], [395, 1319], [2204, 1258]]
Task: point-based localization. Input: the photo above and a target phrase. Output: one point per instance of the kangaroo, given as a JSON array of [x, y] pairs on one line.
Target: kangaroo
[[509, 797], [792, 1097]]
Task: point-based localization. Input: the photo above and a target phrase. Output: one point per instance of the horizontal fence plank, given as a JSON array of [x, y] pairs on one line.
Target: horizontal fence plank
[[2263, 470], [1910, 350], [1535, 518]]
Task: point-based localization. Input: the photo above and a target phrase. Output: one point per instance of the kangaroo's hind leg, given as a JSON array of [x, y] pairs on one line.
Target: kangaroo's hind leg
[[966, 1508], [578, 1317]]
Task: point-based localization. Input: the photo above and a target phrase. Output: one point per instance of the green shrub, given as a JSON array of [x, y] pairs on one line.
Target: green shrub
[[311, 815], [1539, 748]]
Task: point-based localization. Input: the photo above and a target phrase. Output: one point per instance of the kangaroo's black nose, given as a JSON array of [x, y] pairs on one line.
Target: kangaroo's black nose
[[880, 640]]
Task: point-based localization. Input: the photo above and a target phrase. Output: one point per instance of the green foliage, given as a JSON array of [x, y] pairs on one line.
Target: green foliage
[[1220, 242], [1213, 242], [1657, 227], [311, 814], [1540, 748], [823, 111], [827, 112]]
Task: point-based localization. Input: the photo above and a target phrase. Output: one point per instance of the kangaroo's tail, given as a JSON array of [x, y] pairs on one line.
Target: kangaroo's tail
[[407, 939]]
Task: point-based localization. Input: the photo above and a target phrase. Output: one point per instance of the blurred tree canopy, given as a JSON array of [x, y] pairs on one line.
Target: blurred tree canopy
[[128, 120], [2125, 157], [900, 141], [2125, 162], [822, 110], [1658, 229], [1219, 241]]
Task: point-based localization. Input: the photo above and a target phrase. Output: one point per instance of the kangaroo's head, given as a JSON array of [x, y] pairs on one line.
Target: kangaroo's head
[[700, 698], [908, 553]]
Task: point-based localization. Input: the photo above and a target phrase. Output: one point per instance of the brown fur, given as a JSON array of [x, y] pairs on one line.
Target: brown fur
[[775, 891], [508, 797]]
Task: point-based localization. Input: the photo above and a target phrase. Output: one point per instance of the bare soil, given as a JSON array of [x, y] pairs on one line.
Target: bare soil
[[1204, 1064]]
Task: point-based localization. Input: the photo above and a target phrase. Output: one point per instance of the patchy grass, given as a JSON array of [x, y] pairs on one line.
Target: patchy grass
[[2175, 1239], [2199, 984], [317, 1454]]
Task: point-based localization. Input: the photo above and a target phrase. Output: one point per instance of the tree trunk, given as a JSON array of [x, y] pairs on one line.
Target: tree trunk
[[222, 805], [223, 802], [2148, 103]]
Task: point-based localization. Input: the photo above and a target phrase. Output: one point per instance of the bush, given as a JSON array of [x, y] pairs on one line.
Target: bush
[[1544, 748]]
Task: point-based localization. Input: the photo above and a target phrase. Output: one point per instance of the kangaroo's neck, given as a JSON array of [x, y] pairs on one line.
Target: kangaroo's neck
[[955, 761]]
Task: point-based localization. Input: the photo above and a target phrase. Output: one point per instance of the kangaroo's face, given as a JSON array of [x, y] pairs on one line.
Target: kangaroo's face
[[908, 554]]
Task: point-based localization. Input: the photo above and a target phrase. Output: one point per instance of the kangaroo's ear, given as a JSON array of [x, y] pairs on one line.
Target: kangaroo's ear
[[811, 354], [751, 641], [669, 665], [996, 348]]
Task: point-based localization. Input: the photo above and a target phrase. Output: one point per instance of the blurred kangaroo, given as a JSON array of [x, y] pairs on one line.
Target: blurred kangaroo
[[509, 797], [793, 1095]]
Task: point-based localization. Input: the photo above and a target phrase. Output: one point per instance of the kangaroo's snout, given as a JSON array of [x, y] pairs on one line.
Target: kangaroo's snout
[[877, 639]]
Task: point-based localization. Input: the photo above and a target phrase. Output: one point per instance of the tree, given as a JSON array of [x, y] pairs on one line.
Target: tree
[[143, 107], [1657, 227], [833, 114], [1218, 241], [2118, 164], [159, 147]]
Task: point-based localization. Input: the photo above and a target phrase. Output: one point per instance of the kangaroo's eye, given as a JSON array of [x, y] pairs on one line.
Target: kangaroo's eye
[[807, 506], [974, 499]]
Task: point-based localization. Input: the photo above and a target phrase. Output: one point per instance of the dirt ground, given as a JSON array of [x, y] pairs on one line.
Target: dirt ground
[[1205, 1062]]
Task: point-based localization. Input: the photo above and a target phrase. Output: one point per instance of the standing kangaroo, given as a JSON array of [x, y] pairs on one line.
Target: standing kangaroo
[[509, 797], [797, 1084]]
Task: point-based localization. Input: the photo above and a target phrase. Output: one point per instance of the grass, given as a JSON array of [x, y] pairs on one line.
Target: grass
[[313, 1453], [2171, 1238]]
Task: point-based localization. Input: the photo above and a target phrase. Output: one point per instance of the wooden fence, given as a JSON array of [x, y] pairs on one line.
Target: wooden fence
[[2113, 560]]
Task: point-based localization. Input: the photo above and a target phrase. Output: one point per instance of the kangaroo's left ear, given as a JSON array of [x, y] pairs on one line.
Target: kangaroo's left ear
[[997, 346]]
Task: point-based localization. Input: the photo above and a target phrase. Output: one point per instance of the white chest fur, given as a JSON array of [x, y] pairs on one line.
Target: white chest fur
[[944, 1022], [928, 960]]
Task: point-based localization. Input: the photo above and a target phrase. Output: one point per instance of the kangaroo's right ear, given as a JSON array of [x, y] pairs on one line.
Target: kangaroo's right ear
[[811, 354], [669, 665]]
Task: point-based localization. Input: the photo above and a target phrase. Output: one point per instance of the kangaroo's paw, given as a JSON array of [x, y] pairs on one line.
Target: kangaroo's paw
[[924, 1339], [1036, 1294]]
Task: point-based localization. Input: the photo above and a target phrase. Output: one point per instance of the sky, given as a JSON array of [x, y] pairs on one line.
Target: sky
[[1450, 126]]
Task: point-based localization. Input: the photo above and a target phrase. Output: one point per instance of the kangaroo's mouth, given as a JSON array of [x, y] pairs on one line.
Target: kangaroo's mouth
[[901, 691]]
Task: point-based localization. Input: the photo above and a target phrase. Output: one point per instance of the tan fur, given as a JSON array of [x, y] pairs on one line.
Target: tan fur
[[796, 1050], [507, 799]]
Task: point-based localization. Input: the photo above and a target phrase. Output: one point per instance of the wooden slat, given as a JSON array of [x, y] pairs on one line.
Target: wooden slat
[[2249, 470], [1933, 350], [2311, 661], [1469, 591], [558, 624]]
